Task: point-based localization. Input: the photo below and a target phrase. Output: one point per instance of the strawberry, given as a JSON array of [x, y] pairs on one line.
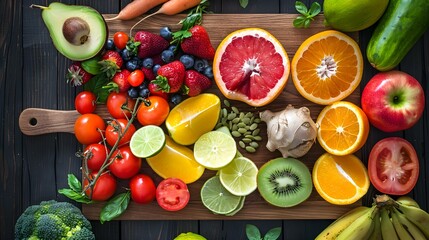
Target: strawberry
[[111, 63], [120, 78], [198, 44], [170, 76], [150, 44], [76, 75], [148, 73], [156, 91], [195, 83]]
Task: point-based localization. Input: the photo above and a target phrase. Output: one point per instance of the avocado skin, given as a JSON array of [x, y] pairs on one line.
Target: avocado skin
[[57, 13]]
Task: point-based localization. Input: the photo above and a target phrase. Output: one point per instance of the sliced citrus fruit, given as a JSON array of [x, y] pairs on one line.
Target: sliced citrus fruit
[[327, 67], [193, 117], [251, 65], [239, 176], [340, 180], [147, 141], [214, 150], [343, 128], [176, 161], [217, 199]]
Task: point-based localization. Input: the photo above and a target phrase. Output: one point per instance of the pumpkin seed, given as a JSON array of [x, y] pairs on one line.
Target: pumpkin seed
[[224, 113], [256, 132], [236, 120], [241, 125], [246, 140], [242, 130], [253, 126], [250, 149], [234, 109], [246, 120], [236, 134], [242, 144], [226, 103], [257, 138], [254, 144]]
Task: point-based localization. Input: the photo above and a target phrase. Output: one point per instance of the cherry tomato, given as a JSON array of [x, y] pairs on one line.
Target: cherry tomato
[[104, 187], [114, 103], [125, 165], [136, 78], [142, 189], [393, 166], [172, 194], [87, 128], [153, 112], [120, 40], [116, 126], [85, 102], [96, 154]]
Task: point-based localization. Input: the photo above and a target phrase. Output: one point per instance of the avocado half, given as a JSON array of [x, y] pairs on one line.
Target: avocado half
[[78, 32]]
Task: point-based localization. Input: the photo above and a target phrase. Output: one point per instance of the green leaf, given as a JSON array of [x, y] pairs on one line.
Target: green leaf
[[307, 23], [299, 22], [306, 14], [273, 234], [314, 9], [252, 232], [244, 3], [76, 196], [96, 85], [301, 8], [115, 207], [92, 66], [74, 183]]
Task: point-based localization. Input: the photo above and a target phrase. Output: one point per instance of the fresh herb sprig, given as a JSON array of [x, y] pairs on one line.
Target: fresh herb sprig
[[307, 15], [243, 3], [253, 233]]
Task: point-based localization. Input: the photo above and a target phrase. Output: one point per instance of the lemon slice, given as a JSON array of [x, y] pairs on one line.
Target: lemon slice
[[239, 176], [147, 141], [217, 199]]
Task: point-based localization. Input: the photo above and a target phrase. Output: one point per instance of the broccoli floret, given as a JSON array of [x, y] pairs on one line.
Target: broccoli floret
[[53, 220]]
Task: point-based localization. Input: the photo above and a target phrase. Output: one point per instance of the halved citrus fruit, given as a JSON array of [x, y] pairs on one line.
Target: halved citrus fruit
[[251, 65], [327, 67], [343, 128], [340, 180]]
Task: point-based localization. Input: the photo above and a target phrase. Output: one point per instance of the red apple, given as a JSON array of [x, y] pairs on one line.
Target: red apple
[[393, 101]]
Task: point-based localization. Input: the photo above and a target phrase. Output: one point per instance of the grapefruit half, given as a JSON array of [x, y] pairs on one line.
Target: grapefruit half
[[251, 65]]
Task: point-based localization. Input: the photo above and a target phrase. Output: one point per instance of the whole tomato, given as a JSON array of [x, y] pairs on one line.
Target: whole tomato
[[96, 154], [142, 189], [117, 126], [104, 187], [85, 102], [153, 111], [114, 103], [87, 128], [120, 39], [136, 78], [125, 165]]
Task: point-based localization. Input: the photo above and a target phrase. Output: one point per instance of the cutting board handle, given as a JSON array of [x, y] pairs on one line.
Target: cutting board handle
[[37, 121]]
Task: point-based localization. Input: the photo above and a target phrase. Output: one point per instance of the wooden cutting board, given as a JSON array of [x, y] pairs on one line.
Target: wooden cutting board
[[41, 121]]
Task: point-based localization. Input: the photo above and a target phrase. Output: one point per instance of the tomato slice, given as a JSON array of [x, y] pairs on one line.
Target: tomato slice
[[393, 166], [172, 194]]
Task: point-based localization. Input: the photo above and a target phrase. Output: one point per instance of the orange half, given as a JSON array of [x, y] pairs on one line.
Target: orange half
[[327, 67]]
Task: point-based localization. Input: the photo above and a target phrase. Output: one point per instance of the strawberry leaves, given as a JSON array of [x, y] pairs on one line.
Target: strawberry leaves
[[307, 15]]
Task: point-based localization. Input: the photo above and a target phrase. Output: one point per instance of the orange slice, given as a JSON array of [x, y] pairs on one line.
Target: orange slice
[[343, 128], [340, 180], [251, 65], [327, 67]]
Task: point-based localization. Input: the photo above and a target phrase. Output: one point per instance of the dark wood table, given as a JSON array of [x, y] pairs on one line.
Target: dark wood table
[[33, 168]]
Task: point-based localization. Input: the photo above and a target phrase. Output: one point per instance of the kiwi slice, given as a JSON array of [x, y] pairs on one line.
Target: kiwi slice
[[284, 182]]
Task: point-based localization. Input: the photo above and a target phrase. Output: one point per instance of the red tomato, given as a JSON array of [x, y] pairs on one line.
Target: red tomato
[[393, 166], [117, 126], [172, 194], [136, 78], [142, 189], [104, 187], [96, 154], [125, 165], [87, 128], [85, 102], [114, 103], [153, 112], [120, 40]]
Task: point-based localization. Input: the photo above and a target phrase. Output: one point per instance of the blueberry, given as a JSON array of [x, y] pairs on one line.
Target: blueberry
[[172, 48], [110, 45], [133, 93], [187, 60], [144, 93], [208, 71], [155, 69], [147, 63], [166, 33], [132, 65], [167, 56], [200, 64], [125, 54], [176, 98], [144, 85]]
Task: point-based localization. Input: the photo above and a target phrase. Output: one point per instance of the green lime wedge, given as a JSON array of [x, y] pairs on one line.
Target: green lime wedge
[[239, 176], [147, 141], [214, 150], [217, 199]]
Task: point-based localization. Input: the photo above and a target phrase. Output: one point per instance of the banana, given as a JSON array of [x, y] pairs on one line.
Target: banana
[[407, 201], [402, 233], [376, 234], [335, 228], [361, 228], [417, 216], [414, 231], [387, 230]]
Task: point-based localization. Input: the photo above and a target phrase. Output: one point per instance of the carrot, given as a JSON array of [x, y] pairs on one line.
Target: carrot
[[171, 7], [136, 8]]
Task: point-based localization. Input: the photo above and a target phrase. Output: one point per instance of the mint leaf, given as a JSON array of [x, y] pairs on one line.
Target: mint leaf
[[306, 17], [273, 234], [315, 9], [243, 3], [252, 232], [301, 8]]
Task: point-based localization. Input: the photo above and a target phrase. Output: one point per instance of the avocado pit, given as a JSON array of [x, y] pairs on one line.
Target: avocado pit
[[76, 30]]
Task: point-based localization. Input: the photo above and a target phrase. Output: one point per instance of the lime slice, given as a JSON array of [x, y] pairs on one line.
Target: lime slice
[[214, 150], [147, 141], [238, 208], [239, 176], [217, 199]]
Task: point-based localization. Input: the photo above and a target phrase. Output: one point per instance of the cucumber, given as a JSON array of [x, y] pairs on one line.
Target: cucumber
[[401, 26]]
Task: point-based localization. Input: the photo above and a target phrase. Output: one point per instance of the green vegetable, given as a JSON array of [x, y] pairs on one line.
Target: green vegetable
[[75, 191], [253, 233], [307, 15], [402, 24], [53, 220], [115, 207]]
